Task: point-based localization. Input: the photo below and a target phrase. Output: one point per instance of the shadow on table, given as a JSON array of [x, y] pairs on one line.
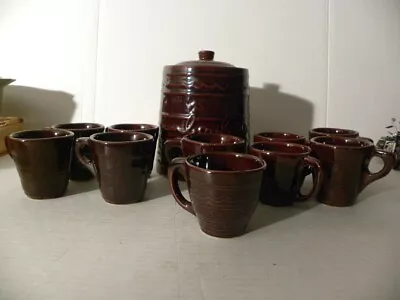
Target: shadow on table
[[266, 215], [378, 187], [81, 187], [158, 187], [6, 162]]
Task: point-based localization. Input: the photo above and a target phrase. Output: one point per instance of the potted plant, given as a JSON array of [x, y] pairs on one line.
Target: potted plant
[[391, 142]]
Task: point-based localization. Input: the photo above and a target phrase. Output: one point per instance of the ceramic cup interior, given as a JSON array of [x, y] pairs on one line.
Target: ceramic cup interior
[[226, 162], [40, 134], [281, 148], [213, 138], [284, 136], [334, 131], [133, 127], [78, 126], [342, 142], [115, 137]]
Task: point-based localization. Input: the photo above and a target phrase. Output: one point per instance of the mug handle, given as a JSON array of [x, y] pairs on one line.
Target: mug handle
[[388, 160], [312, 164], [176, 168], [82, 142], [169, 145]]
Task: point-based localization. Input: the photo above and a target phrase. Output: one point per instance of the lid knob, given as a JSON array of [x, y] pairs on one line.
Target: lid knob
[[206, 55]]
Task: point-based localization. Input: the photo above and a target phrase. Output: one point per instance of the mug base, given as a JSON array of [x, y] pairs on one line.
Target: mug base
[[336, 204], [45, 196], [126, 202], [223, 234]]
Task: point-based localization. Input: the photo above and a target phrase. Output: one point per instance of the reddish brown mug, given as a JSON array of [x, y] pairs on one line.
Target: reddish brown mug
[[328, 131], [279, 137], [121, 163], [198, 143], [345, 165], [151, 129], [223, 187], [43, 160], [78, 171], [283, 177]]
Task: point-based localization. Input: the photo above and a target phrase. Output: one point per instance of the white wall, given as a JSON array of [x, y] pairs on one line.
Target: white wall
[[332, 62], [364, 64], [50, 48]]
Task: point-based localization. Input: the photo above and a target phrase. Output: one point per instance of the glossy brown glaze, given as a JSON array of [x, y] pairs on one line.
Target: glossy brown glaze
[[345, 165], [78, 171], [43, 160], [198, 143], [223, 188], [145, 128], [330, 131], [283, 177], [279, 137], [121, 163], [202, 96], [327, 131]]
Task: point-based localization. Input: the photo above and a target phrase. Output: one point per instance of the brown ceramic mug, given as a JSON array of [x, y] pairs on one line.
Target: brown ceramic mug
[[279, 137], [345, 165], [331, 131], [327, 131], [197, 143], [223, 188], [121, 163], [145, 128], [43, 160], [78, 171], [283, 177]]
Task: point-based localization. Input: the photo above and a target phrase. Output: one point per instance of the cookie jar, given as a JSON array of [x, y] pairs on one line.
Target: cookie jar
[[202, 95]]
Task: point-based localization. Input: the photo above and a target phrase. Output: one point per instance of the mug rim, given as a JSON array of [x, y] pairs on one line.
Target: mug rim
[[239, 140], [13, 136], [148, 137], [262, 163], [64, 126], [290, 135], [316, 141], [150, 126], [322, 130], [307, 149]]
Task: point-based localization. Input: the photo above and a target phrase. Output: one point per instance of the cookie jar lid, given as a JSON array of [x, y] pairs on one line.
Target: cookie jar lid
[[206, 63]]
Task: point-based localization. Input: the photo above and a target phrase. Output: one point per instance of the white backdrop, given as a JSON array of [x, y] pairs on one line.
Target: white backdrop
[[311, 62]]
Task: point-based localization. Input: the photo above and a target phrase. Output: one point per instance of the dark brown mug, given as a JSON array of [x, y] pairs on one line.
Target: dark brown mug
[[327, 131], [78, 171], [197, 143], [345, 165], [121, 163], [279, 137], [223, 188], [283, 177], [151, 129], [331, 131], [43, 160]]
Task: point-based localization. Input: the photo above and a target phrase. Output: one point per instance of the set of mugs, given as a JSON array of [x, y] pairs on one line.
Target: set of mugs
[[121, 156], [225, 183], [225, 178]]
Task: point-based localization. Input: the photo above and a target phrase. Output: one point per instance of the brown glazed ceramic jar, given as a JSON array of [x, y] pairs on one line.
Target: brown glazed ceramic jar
[[202, 96]]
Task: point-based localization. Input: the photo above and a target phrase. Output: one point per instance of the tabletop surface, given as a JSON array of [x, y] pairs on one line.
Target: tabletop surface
[[80, 247]]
